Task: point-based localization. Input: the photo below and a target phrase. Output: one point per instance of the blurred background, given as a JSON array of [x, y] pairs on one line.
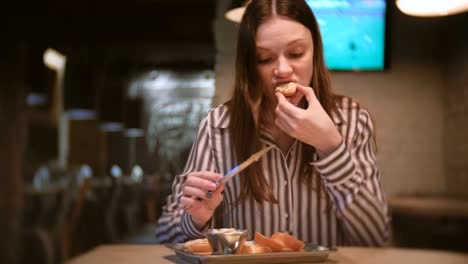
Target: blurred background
[[100, 102]]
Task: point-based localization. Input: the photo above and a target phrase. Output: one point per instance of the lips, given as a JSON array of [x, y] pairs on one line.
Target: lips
[[282, 82]]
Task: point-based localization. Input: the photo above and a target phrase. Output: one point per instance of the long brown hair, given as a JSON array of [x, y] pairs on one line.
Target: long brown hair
[[247, 98]]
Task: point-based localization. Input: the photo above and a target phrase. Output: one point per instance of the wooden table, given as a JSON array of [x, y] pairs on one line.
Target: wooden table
[[159, 254]]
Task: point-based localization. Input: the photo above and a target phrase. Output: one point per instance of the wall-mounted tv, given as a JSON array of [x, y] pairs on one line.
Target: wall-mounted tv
[[353, 33]]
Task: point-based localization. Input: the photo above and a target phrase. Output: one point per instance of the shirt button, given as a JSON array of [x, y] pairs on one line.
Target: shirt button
[[286, 215], [285, 183]]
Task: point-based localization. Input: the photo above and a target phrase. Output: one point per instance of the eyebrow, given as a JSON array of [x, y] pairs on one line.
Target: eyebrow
[[289, 44]]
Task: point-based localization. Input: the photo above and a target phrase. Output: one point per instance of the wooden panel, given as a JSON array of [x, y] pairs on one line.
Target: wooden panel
[[12, 141], [87, 145]]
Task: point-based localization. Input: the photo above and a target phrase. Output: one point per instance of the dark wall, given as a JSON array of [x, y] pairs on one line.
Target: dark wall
[[12, 142], [455, 73], [133, 31]]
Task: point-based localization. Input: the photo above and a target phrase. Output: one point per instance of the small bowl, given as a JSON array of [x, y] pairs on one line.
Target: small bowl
[[226, 241]]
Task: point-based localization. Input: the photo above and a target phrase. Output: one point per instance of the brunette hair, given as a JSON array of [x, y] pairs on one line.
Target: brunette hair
[[247, 99]]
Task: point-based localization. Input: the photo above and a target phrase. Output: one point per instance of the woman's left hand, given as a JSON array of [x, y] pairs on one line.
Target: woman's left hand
[[312, 126]]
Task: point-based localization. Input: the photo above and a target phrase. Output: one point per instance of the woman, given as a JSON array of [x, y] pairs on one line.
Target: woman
[[320, 181]]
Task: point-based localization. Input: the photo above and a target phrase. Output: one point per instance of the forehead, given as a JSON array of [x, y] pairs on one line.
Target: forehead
[[278, 31]]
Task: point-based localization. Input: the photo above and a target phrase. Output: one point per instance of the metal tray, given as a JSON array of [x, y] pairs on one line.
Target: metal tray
[[311, 253]]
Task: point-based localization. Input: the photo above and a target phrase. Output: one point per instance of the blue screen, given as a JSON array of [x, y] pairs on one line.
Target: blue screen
[[353, 33]]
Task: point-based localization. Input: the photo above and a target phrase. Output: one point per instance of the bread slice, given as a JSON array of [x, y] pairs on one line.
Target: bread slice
[[289, 241], [287, 89], [250, 247], [275, 245], [198, 246]]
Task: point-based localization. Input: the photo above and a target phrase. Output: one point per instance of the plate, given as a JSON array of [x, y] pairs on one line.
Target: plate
[[311, 253]]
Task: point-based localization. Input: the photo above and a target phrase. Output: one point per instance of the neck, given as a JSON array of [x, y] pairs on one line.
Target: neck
[[283, 140]]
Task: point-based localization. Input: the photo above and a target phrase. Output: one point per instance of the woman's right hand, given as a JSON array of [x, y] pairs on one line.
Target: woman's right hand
[[198, 184]]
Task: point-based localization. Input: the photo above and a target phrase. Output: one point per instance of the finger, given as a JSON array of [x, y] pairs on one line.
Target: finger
[[285, 108], [216, 194], [296, 98], [308, 92], [199, 183], [280, 97], [191, 205], [215, 200], [219, 190], [280, 110], [191, 191], [207, 175], [188, 202], [283, 102]]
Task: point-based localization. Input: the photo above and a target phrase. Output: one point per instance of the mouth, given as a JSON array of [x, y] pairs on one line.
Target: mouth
[[276, 84]]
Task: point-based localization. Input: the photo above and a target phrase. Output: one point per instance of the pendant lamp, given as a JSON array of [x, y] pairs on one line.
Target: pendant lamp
[[432, 8]]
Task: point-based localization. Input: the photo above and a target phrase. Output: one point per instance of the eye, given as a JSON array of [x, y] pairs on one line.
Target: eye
[[264, 60], [295, 55]]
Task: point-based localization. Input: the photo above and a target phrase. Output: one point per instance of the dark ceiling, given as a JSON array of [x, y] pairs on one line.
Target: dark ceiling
[[128, 34], [69, 23]]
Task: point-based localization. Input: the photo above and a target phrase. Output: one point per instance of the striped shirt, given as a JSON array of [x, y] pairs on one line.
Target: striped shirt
[[353, 211]]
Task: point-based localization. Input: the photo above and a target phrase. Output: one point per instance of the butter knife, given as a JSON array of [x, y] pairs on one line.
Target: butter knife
[[237, 169]]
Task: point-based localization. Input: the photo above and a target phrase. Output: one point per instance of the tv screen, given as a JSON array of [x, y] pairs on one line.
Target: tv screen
[[353, 33]]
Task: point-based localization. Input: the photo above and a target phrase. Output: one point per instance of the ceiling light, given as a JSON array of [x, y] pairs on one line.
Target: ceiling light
[[429, 8], [54, 59], [235, 14]]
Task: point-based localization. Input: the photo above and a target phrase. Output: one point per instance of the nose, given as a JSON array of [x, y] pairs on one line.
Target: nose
[[283, 68]]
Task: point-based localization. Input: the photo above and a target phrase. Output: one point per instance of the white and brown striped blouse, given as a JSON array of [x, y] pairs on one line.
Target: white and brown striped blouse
[[354, 211]]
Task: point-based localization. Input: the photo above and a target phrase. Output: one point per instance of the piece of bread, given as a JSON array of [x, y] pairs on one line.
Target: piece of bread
[[287, 89], [198, 246], [250, 247], [275, 245], [289, 241]]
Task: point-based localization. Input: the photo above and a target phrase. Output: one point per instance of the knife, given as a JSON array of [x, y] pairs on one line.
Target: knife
[[237, 169]]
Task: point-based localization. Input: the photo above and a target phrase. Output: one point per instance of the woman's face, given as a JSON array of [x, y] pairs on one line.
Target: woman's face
[[284, 53]]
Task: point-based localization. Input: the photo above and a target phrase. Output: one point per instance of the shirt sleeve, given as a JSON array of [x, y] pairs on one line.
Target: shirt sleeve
[[175, 225], [352, 180]]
